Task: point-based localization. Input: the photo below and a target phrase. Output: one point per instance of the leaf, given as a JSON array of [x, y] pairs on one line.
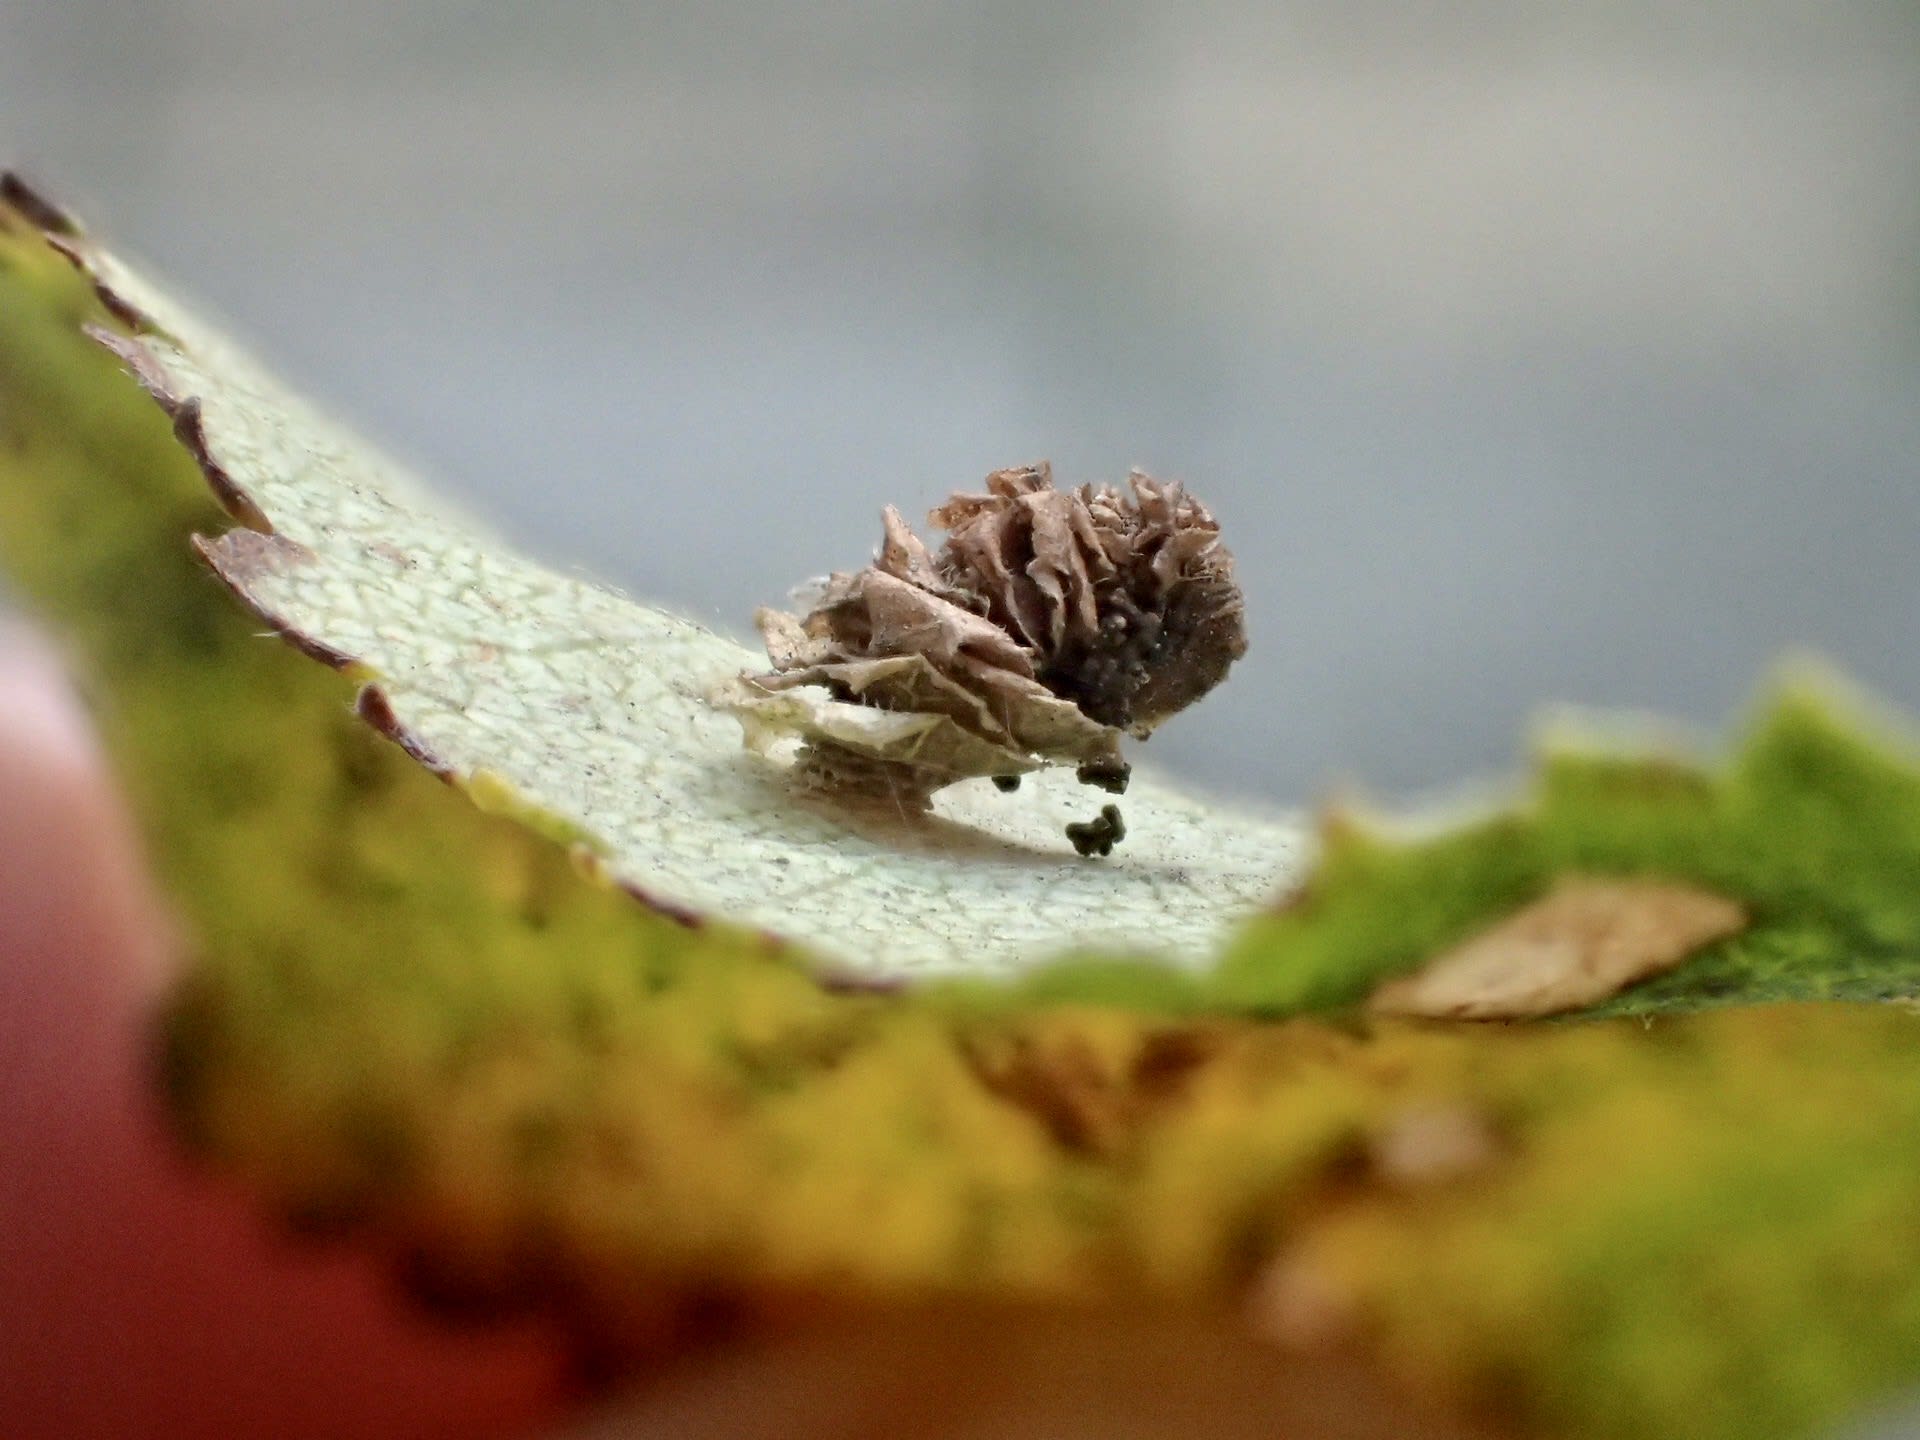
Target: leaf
[[619, 728], [611, 718], [415, 1023]]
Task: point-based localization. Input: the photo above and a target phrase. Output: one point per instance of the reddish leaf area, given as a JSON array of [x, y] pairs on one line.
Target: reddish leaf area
[[138, 1297]]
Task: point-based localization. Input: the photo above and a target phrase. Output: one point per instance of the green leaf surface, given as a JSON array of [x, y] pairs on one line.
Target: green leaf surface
[[1811, 825]]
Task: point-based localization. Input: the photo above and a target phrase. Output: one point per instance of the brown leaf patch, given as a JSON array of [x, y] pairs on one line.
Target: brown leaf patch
[[1583, 943]]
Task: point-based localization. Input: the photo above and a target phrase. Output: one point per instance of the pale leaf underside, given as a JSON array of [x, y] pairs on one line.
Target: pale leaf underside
[[596, 711]]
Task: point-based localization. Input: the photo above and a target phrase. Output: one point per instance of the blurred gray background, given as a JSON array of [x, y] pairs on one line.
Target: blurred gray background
[[1526, 350]]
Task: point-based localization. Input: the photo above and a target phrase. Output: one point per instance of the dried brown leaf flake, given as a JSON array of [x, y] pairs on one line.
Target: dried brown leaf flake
[[1584, 942]]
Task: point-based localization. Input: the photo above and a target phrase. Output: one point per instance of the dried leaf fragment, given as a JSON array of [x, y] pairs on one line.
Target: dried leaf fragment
[[1583, 943]]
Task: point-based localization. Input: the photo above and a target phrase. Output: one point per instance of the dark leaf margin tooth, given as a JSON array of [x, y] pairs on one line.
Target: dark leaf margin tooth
[[190, 429], [240, 555], [129, 351], [672, 909], [373, 706], [73, 248], [21, 194]]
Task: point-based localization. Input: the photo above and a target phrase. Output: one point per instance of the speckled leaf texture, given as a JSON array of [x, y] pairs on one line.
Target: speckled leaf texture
[[429, 1025]]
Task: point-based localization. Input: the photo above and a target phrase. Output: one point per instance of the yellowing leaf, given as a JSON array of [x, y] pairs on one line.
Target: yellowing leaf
[[608, 717]]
